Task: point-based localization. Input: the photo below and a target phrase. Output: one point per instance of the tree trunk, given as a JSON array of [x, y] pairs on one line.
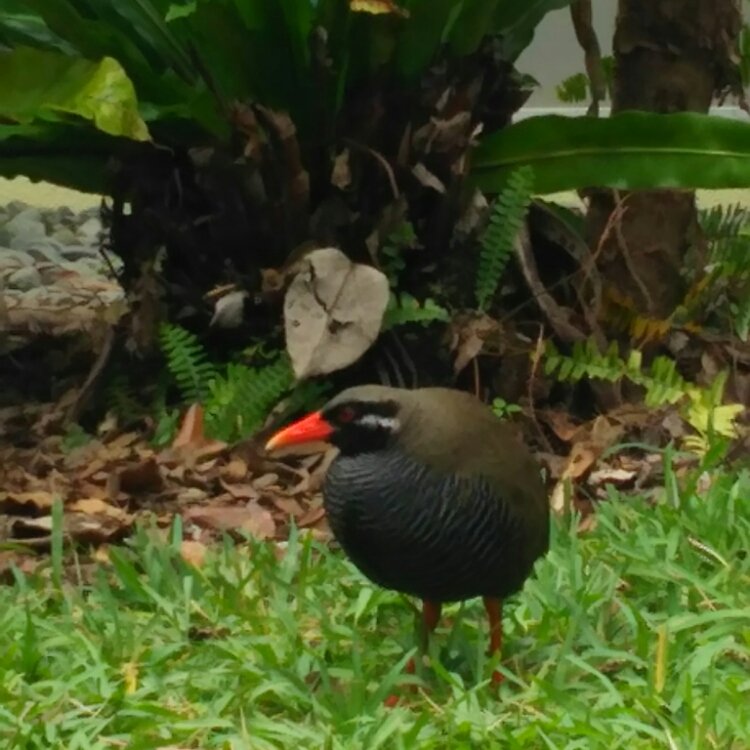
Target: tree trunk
[[670, 56]]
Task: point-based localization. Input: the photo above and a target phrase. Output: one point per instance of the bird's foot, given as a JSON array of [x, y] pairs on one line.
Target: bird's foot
[[393, 700]]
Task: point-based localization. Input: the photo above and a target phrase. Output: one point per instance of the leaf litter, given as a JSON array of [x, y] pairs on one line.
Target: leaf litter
[[118, 479]]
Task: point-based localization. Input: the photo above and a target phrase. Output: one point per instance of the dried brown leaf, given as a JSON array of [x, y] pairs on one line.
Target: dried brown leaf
[[235, 471], [191, 430], [250, 518], [94, 506], [193, 553], [241, 491], [311, 517], [427, 178], [341, 174], [333, 311], [39, 499], [468, 336], [611, 475]]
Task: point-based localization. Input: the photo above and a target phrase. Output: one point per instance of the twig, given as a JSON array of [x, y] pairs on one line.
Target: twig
[[582, 17], [477, 383], [623, 245], [556, 315], [535, 360], [381, 160], [96, 370]]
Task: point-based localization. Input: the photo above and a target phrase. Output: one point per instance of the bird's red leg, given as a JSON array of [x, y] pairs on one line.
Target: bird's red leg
[[430, 618], [431, 612], [494, 608]]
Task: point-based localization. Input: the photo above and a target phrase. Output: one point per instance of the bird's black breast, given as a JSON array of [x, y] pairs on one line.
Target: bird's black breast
[[410, 528]]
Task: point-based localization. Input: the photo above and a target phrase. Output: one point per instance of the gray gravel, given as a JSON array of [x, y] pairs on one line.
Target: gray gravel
[[50, 264]]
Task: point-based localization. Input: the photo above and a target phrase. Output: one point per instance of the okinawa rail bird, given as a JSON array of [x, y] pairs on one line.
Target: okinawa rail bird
[[430, 495]]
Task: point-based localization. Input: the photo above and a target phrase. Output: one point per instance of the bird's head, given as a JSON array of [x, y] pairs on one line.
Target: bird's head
[[358, 420]]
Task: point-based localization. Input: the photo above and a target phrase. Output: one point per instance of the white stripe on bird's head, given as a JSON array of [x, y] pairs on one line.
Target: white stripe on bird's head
[[379, 422]]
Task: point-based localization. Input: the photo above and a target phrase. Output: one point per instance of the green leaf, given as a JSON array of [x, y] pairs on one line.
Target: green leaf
[[43, 85], [20, 27], [632, 150], [180, 11]]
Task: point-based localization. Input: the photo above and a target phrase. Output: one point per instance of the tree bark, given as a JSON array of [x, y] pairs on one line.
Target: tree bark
[[670, 56]]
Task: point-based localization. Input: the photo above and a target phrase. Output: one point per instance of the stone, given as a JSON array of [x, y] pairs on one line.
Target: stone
[[25, 279], [15, 207], [14, 258], [83, 266], [24, 228], [80, 252], [64, 235], [90, 229], [46, 250]]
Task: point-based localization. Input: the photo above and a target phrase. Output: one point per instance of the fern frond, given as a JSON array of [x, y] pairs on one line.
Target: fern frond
[[507, 215], [662, 382], [121, 397], [741, 312], [187, 362], [723, 221], [726, 229], [240, 399], [404, 308]]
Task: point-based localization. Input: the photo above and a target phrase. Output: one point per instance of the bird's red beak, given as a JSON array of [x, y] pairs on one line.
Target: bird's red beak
[[309, 429]]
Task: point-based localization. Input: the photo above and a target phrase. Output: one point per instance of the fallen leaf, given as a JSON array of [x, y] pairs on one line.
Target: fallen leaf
[[101, 554], [191, 430], [267, 480], [288, 506], [94, 505], [561, 424], [122, 442], [229, 310], [241, 491], [312, 516], [378, 7], [40, 499], [250, 518], [193, 553], [235, 471], [427, 178], [468, 336], [341, 175], [333, 312], [612, 476]]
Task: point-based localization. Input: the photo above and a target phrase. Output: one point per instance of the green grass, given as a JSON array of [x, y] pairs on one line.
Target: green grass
[[253, 651]]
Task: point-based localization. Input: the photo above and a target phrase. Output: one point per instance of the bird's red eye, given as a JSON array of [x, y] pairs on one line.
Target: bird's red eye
[[346, 414]]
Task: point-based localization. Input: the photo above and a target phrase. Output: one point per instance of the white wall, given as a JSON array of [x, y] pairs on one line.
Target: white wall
[[554, 55]]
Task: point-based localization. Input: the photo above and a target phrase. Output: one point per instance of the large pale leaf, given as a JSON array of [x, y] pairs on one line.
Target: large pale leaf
[[333, 311], [627, 151], [41, 85]]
